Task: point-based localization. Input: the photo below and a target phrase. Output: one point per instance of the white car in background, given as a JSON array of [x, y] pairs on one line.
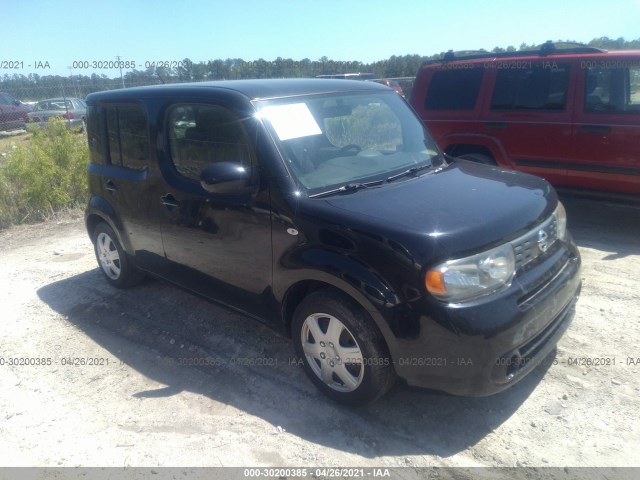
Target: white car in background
[[72, 110]]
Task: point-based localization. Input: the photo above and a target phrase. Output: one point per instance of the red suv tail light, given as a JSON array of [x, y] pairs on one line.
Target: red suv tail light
[[68, 115]]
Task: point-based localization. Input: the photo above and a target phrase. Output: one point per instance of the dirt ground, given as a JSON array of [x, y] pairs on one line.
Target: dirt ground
[[154, 376]]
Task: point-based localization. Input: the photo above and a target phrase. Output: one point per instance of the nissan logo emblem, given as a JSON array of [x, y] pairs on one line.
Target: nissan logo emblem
[[542, 240]]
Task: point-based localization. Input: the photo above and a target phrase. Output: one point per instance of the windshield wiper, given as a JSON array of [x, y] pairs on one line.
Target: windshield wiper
[[349, 187], [411, 171]]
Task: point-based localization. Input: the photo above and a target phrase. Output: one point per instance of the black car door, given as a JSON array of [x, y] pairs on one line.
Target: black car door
[[218, 245], [124, 172]]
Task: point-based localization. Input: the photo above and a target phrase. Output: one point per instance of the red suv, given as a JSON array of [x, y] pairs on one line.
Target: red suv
[[570, 115]]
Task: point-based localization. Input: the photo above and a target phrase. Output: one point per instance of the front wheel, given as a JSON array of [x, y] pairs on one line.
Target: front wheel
[[113, 259], [343, 352]]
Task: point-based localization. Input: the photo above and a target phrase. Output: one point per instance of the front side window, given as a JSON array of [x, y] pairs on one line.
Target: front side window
[[455, 89], [200, 135], [341, 139], [542, 87], [612, 90]]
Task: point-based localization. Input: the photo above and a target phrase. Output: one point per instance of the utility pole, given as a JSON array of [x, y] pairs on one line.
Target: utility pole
[[72, 82], [120, 66]]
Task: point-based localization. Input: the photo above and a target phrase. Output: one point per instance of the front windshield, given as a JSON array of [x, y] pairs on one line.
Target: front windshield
[[344, 139]]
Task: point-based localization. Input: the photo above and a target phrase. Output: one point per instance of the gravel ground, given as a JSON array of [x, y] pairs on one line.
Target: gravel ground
[[164, 378]]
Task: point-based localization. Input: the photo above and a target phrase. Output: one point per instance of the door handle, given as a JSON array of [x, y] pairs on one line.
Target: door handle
[[110, 186], [595, 129], [170, 201], [496, 124]]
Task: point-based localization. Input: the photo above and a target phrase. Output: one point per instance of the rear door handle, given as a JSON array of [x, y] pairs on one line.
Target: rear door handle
[[595, 129], [110, 186], [496, 124], [169, 201]]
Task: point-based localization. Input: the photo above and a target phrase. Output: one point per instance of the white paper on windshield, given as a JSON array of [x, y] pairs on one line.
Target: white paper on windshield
[[291, 121]]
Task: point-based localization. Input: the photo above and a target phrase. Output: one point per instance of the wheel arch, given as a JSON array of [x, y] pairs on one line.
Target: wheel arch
[[99, 210], [457, 145], [299, 290]]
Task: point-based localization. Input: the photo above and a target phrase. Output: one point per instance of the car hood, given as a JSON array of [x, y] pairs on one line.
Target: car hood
[[458, 210]]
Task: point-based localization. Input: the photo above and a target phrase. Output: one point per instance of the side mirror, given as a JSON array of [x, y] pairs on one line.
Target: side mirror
[[225, 177]]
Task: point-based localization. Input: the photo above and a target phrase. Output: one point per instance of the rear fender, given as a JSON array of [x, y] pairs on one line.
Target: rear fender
[[99, 209]]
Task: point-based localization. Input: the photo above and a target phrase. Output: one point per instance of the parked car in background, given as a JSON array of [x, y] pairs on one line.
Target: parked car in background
[[568, 113], [348, 76], [325, 209], [72, 110], [391, 84], [13, 113]]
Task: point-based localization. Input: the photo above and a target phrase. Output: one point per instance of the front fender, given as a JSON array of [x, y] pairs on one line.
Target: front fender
[[342, 270], [347, 274]]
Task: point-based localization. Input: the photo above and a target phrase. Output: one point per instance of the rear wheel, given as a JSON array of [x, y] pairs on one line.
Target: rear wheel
[[478, 158], [112, 258], [343, 352]]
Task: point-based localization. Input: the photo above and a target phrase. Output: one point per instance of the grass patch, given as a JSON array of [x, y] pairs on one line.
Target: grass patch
[[9, 141], [43, 174]]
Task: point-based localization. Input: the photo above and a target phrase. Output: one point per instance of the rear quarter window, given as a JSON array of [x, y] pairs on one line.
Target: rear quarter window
[[612, 89], [95, 135]]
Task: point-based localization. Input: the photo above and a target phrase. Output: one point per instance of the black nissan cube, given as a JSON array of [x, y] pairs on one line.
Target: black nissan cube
[[324, 209]]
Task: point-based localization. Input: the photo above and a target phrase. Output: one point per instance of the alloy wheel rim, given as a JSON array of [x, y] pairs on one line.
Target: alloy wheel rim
[[108, 256]]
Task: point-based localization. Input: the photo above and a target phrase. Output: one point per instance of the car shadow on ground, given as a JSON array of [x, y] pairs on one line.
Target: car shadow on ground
[[602, 225], [231, 359]]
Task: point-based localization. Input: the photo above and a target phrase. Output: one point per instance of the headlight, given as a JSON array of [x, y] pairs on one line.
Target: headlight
[[471, 277], [560, 215]]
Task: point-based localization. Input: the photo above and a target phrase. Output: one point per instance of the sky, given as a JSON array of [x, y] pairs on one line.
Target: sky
[[46, 37]]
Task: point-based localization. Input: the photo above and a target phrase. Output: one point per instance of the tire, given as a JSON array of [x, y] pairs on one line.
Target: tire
[[349, 360], [478, 158], [112, 259]]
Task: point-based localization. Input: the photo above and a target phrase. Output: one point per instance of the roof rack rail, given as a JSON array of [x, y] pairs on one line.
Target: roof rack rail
[[546, 48]]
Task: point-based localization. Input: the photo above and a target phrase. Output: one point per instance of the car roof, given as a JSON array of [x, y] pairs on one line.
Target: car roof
[[480, 57], [252, 89]]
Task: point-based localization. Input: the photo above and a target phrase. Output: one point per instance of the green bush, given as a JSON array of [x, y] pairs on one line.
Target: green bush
[[44, 176]]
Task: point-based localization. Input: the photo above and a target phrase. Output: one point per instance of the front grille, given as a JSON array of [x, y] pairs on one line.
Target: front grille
[[532, 244], [545, 279]]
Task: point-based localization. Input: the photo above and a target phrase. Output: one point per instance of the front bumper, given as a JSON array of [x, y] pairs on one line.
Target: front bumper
[[483, 348]]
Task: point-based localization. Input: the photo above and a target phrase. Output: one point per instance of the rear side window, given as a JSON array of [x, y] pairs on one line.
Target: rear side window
[[200, 135], [612, 90], [454, 89], [543, 87], [128, 135]]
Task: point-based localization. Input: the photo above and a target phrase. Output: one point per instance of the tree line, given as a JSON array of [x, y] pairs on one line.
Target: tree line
[[37, 87]]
